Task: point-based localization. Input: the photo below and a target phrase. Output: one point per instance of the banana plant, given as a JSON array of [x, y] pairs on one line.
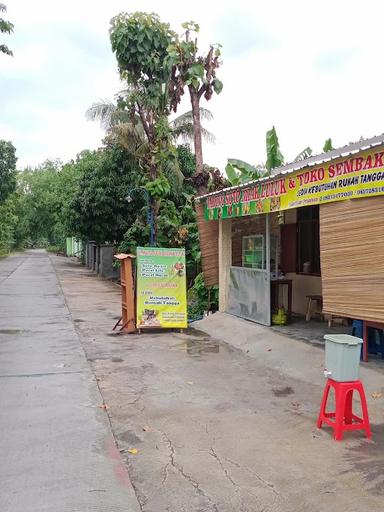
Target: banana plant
[[306, 153], [239, 172], [328, 146], [274, 155]]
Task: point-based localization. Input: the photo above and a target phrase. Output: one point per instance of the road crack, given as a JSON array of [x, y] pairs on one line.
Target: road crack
[[260, 478], [172, 462], [225, 471]]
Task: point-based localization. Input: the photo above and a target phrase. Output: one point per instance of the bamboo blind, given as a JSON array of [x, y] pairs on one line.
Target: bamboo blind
[[209, 246], [352, 258]]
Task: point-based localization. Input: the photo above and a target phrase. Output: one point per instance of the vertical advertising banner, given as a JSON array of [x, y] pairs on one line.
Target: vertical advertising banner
[[161, 288]]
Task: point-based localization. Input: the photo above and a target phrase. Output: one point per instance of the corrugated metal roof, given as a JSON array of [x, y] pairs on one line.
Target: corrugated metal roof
[[347, 150]]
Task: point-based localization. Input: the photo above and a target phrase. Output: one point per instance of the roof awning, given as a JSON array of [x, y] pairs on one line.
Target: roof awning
[[353, 171]]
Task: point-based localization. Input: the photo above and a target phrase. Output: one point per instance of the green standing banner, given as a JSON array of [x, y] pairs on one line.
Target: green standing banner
[[161, 288]]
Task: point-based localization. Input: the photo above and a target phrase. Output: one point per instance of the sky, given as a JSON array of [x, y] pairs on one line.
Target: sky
[[311, 69]]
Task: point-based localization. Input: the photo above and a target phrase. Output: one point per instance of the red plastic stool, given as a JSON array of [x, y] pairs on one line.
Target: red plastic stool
[[344, 419]]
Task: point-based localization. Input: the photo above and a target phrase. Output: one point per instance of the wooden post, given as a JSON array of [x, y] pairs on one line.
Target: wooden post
[[128, 317]]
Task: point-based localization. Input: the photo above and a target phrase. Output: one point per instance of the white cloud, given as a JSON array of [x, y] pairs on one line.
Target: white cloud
[[311, 69]]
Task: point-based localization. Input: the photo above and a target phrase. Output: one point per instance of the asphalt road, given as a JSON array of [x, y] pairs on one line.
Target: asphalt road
[[57, 452]]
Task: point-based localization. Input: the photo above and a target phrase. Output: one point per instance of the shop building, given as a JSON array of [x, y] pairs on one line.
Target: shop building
[[309, 236]]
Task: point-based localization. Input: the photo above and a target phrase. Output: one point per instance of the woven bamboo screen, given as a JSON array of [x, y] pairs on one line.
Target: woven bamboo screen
[[352, 258], [209, 246]]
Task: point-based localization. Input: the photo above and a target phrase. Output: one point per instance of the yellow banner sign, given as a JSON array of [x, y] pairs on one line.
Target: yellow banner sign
[[357, 176], [161, 288]]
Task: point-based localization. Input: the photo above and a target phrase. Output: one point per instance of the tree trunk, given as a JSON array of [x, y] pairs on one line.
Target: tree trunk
[[154, 204], [197, 140]]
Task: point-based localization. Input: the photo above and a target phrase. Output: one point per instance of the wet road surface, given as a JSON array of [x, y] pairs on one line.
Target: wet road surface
[[205, 427]]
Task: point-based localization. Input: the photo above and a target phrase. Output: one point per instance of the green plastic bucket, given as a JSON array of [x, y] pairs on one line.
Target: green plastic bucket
[[342, 357]]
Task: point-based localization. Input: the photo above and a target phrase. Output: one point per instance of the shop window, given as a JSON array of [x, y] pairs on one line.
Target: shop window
[[308, 240], [288, 233], [253, 251]]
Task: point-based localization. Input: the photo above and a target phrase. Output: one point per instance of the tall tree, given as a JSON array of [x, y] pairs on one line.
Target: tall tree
[[183, 128], [6, 27], [7, 169], [43, 195], [118, 124], [198, 73], [98, 209], [140, 42]]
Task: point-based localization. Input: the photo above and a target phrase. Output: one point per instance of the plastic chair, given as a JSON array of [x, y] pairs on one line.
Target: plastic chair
[[357, 328]]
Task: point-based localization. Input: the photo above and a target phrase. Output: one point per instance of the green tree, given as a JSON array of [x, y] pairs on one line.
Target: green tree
[[8, 223], [140, 42], [6, 27], [7, 169], [42, 202], [198, 73], [99, 210], [38, 203], [176, 221], [328, 146], [183, 128]]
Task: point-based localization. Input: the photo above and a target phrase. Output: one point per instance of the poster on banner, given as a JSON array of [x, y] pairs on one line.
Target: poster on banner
[[358, 176], [161, 288]]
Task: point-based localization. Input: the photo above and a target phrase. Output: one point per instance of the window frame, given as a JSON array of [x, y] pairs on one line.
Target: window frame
[[314, 222]]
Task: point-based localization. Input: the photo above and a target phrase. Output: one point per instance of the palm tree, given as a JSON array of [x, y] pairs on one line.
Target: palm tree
[[120, 125], [182, 127], [130, 133]]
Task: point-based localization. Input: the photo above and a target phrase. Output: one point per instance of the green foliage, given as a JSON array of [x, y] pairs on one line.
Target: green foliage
[[198, 73], [201, 299], [306, 153], [140, 42], [183, 128], [274, 156], [6, 27], [239, 172], [54, 248], [99, 210], [43, 203], [8, 222], [195, 71], [176, 220], [158, 188], [187, 161], [7, 169], [176, 227], [328, 146]]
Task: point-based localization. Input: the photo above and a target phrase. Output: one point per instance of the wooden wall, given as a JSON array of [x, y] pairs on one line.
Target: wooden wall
[[209, 246]]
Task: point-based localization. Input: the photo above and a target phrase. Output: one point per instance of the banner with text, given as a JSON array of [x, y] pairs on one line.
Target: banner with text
[[361, 175], [161, 288]]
